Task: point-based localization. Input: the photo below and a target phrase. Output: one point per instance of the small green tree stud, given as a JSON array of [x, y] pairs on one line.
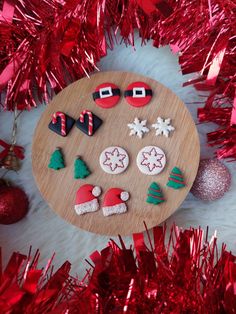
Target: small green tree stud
[[155, 195], [176, 180], [81, 170], [57, 160]]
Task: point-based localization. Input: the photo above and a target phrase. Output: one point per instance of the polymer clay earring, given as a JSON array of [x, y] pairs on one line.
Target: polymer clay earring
[[61, 123], [151, 160], [106, 95], [114, 202], [138, 127], [114, 160], [88, 122], [154, 195], [138, 94], [176, 180], [87, 199], [57, 160], [163, 126], [81, 170]]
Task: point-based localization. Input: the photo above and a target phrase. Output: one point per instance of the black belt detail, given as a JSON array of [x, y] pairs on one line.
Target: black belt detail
[[129, 93], [115, 92]]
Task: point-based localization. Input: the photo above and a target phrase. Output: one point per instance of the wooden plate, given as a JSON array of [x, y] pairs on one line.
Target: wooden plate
[[59, 188]]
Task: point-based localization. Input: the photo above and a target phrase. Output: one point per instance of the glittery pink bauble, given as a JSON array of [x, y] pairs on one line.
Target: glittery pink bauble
[[212, 181]]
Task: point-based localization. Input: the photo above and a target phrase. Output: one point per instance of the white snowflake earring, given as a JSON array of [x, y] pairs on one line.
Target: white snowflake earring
[[138, 127], [163, 126]]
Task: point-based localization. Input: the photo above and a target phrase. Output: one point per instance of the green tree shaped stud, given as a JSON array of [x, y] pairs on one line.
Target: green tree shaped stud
[[155, 195], [81, 170], [56, 160], [176, 180]]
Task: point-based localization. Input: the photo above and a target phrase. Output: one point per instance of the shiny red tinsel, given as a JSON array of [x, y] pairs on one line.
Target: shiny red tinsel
[[44, 45], [186, 274]]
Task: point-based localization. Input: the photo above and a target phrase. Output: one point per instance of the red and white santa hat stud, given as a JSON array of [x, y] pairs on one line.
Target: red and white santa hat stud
[[138, 94], [86, 199], [114, 202]]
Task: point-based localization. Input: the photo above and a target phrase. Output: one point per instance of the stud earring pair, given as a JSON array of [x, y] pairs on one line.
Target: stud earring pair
[[137, 94], [175, 181], [139, 128], [87, 122], [57, 162], [87, 200]]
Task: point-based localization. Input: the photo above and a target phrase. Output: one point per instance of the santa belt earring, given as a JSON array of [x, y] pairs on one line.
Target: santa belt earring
[[138, 92], [106, 92]]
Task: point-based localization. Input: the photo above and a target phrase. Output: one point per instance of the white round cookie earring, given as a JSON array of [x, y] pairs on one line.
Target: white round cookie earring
[[114, 160], [151, 160]]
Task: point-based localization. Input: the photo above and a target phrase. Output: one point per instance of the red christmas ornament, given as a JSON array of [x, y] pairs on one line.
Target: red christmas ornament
[[14, 204]]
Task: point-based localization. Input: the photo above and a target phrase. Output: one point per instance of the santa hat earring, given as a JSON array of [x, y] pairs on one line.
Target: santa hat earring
[[86, 199], [114, 202]]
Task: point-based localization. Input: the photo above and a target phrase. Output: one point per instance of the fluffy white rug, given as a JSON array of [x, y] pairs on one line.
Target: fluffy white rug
[[43, 229]]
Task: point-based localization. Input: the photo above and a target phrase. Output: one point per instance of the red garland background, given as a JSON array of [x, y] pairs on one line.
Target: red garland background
[[44, 45], [186, 274], [47, 44]]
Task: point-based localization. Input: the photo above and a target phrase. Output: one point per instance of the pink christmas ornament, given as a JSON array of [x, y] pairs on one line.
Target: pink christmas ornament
[[213, 180]]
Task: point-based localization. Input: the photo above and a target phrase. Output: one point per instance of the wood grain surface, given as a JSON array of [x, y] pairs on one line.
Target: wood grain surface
[[59, 187]]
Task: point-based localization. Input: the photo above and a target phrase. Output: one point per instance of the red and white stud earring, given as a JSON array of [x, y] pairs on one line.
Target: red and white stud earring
[[87, 199], [151, 160], [114, 201], [138, 94], [106, 95], [61, 123], [88, 122]]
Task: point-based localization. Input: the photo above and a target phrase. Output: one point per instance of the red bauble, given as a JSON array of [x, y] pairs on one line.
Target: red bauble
[[14, 204]]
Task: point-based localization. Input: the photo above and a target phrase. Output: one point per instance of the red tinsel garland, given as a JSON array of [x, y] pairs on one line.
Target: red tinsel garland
[[185, 275], [45, 45]]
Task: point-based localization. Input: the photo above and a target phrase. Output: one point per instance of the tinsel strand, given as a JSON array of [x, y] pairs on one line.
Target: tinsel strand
[[183, 273], [45, 45]]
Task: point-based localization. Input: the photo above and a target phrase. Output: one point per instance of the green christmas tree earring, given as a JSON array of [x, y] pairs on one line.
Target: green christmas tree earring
[[176, 180], [57, 160], [155, 195], [81, 171]]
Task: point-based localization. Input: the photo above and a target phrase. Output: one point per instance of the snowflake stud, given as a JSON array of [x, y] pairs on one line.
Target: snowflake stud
[[114, 160], [151, 160], [138, 127], [163, 126]]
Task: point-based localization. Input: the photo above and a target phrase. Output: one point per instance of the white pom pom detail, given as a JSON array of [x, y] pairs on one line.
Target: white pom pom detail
[[124, 196], [96, 191]]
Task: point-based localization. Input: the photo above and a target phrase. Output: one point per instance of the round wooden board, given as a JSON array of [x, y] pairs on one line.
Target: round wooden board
[[59, 187]]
